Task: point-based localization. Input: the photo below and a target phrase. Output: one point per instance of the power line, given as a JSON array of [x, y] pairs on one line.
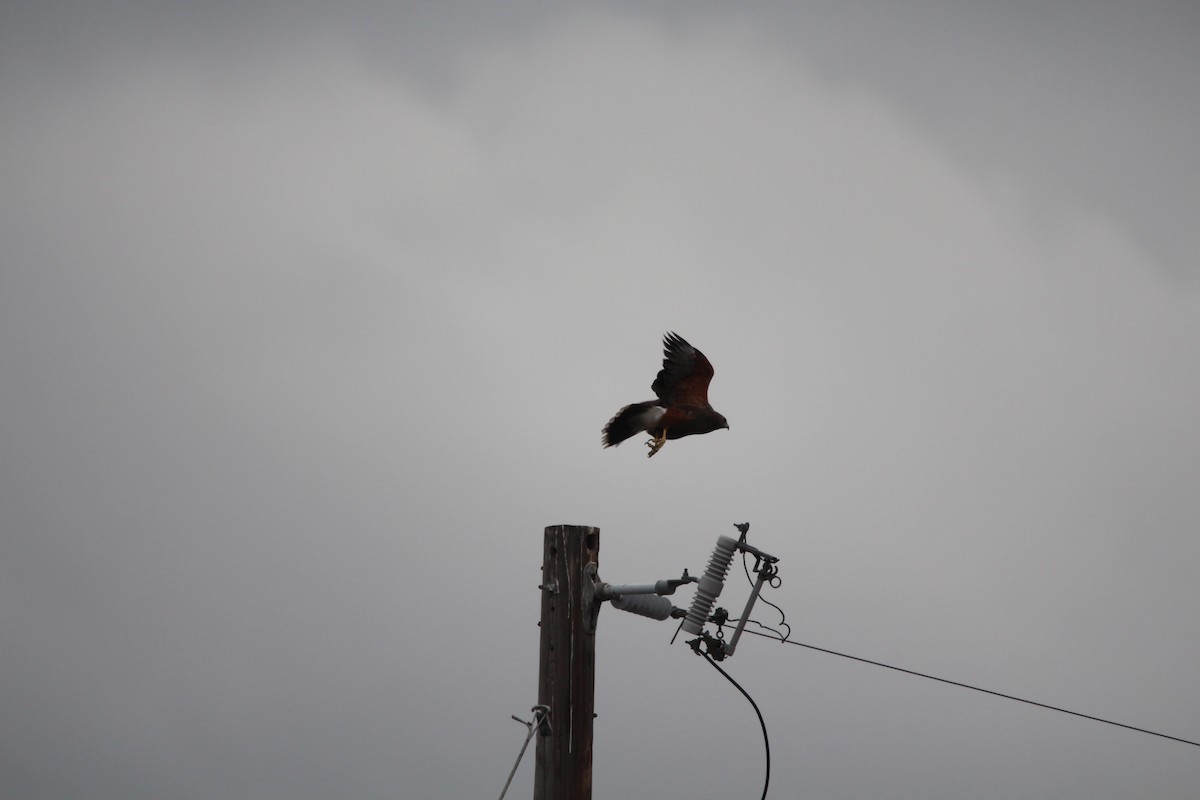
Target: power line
[[973, 688], [754, 705]]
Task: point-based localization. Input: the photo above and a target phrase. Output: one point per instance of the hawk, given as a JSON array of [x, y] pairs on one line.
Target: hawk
[[682, 407]]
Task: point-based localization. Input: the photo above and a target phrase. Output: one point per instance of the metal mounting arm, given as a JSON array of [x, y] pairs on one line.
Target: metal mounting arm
[[636, 598], [765, 573], [608, 591]]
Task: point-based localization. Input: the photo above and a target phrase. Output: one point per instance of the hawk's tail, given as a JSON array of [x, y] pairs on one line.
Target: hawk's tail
[[631, 420]]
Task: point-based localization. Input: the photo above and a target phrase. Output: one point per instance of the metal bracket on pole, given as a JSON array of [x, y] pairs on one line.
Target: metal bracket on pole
[[591, 600], [636, 598]]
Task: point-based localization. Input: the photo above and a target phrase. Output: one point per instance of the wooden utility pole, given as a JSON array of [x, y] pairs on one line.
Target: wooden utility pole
[[567, 674]]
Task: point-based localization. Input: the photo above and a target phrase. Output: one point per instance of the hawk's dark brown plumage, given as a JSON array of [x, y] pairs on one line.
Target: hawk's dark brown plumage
[[682, 407]]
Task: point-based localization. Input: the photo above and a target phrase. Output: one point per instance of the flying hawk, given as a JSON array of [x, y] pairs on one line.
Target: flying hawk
[[682, 407]]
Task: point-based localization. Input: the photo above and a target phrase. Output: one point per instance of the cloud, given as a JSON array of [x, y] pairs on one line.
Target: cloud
[[301, 356]]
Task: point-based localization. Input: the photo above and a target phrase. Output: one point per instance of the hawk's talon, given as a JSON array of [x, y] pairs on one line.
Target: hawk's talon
[[655, 444]]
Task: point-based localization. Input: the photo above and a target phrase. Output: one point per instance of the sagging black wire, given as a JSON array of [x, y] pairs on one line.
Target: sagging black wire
[[754, 705]]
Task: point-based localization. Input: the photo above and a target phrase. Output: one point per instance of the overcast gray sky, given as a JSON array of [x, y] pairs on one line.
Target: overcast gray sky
[[310, 317]]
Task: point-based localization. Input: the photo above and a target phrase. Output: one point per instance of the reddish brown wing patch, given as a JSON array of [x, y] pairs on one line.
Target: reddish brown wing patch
[[685, 374]]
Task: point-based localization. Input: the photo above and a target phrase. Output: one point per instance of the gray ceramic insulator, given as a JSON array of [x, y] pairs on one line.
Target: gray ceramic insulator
[[648, 605], [709, 587]]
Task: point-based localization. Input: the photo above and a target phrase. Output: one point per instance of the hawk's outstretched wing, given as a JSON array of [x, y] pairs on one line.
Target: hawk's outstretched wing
[[685, 374]]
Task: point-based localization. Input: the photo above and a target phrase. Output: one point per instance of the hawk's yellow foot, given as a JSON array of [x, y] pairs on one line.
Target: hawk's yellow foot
[[655, 444]]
